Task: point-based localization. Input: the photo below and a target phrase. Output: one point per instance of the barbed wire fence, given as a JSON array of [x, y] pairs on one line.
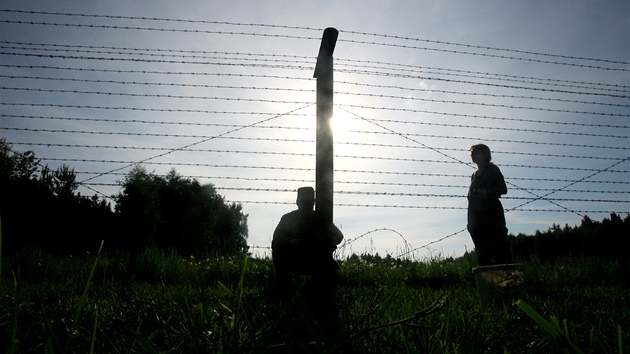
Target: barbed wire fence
[[156, 92]]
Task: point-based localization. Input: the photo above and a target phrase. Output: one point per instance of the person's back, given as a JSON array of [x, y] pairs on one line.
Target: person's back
[[303, 245]]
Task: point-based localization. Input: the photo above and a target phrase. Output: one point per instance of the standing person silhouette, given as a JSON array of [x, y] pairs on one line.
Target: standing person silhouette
[[486, 221], [302, 244]]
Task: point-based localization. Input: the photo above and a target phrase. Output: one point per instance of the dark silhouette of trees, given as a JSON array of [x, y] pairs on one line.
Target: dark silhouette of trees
[[174, 212], [40, 207], [590, 238], [607, 239]]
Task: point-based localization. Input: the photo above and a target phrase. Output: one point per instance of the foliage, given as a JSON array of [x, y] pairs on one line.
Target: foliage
[[606, 238], [173, 212], [41, 207]]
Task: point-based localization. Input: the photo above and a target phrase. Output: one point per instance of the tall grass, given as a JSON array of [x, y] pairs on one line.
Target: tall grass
[[88, 303]]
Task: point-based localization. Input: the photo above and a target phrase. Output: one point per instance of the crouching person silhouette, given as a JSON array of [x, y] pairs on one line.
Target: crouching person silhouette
[[303, 245]]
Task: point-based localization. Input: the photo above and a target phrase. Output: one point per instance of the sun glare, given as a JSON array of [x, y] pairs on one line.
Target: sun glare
[[341, 124]]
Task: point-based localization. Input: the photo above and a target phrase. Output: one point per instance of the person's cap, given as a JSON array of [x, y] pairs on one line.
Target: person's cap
[[308, 192]]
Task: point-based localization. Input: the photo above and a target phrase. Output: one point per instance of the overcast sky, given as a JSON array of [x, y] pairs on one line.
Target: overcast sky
[[223, 91]]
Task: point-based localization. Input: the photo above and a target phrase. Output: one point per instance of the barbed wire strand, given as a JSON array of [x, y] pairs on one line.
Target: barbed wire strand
[[158, 148], [201, 124], [348, 93]]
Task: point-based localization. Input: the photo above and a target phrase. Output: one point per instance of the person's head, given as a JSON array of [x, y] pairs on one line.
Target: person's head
[[483, 151], [305, 199]]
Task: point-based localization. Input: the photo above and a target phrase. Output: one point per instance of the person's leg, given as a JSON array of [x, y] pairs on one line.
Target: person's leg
[[283, 281], [478, 229], [323, 299], [483, 245], [501, 249]]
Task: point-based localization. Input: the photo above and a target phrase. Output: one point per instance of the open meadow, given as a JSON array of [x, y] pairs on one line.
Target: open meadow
[[89, 303]]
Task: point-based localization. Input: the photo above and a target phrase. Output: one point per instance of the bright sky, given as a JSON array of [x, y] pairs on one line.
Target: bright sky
[[224, 93]]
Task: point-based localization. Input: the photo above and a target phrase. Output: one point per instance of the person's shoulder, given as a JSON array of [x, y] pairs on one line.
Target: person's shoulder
[[493, 167], [287, 223], [290, 215], [494, 170]]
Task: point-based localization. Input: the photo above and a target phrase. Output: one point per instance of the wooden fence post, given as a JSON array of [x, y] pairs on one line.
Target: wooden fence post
[[324, 167]]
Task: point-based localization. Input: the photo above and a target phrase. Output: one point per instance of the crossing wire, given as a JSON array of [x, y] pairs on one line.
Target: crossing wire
[[537, 197], [188, 145]]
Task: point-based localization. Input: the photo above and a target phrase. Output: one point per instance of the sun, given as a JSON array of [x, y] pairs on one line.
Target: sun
[[340, 123]]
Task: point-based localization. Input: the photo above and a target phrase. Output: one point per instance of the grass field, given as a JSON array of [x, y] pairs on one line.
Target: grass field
[[89, 303]]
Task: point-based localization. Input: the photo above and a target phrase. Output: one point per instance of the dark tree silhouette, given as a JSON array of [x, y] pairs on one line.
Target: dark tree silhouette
[[178, 213], [591, 238], [39, 206]]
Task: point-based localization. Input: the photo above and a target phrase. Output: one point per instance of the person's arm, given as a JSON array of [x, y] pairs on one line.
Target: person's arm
[[498, 186], [335, 234], [493, 185]]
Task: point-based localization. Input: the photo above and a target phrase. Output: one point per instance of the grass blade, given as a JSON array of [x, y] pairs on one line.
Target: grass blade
[[620, 339], [94, 330], [541, 321], [16, 313], [559, 335], [83, 300]]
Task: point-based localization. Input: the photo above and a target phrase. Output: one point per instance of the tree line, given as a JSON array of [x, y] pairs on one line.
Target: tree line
[[41, 207], [608, 238]]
